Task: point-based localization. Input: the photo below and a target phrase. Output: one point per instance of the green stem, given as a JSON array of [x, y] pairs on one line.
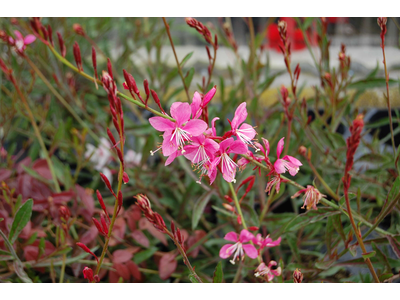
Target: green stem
[[38, 135], [235, 199], [266, 207], [323, 182], [176, 58]]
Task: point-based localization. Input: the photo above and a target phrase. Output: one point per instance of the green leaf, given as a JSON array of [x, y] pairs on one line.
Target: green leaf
[[144, 255], [368, 254], [198, 208], [2, 252], [1, 219], [370, 83], [342, 201], [218, 274], [309, 217], [189, 77], [42, 244], [253, 215], [21, 219], [223, 211], [292, 241], [186, 58]]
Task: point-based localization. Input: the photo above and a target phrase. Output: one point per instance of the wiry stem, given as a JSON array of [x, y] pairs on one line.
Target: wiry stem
[[176, 58]]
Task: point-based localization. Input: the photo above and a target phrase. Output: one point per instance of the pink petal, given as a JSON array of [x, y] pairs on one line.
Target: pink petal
[[266, 144], [237, 147], [207, 98], [174, 106], [195, 105], [250, 251], [18, 35], [269, 243], [11, 40], [279, 148], [245, 236], [168, 147], [279, 166], [182, 113], [248, 130], [195, 127], [212, 174], [240, 116], [211, 146], [231, 236], [171, 158], [272, 263], [228, 175], [29, 39], [214, 131], [190, 152], [293, 160], [225, 252], [161, 124], [225, 144]]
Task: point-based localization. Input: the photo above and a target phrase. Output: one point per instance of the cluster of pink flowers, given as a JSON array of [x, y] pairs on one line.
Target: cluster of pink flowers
[[245, 244], [191, 137]]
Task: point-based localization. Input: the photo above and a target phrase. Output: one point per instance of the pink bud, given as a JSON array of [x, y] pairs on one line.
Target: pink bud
[[125, 178]]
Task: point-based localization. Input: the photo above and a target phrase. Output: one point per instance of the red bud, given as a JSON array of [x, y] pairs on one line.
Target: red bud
[[94, 61], [125, 178], [77, 56], [109, 67], [63, 49], [87, 250], [105, 179], [98, 226]]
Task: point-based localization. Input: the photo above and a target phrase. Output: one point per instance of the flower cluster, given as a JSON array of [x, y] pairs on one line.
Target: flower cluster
[[191, 137], [241, 248]]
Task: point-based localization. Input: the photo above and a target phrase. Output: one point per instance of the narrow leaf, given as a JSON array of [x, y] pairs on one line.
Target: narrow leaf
[[218, 273], [21, 219], [199, 208]]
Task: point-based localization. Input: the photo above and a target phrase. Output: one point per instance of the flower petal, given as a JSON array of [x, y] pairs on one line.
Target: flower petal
[[225, 144], [240, 116], [250, 251], [161, 124], [29, 39], [266, 144], [231, 236], [195, 105], [207, 98], [279, 148], [171, 158], [181, 113], [248, 131], [293, 160], [237, 147], [18, 35], [195, 127], [245, 236], [225, 252], [210, 146], [279, 166], [168, 146]]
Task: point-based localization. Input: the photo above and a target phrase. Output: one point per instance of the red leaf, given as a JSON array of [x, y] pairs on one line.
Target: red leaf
[[139, 237], [25, 162], [118, 231], [42, 168], [4, 174], [133, 268], [122, 271], [122, 256], [395, 245], [145, 224], [86, 196], [167, 266]]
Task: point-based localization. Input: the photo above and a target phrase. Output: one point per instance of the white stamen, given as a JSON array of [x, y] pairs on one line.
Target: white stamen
[[244, 138], [152, 152]]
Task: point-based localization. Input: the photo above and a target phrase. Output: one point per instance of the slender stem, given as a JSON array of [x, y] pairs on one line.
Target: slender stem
[[387, 98], [359, 236], [176, 58], [63, 268], [238, 273], [212, 67], [235, 199], [38, 135], [266, 207]]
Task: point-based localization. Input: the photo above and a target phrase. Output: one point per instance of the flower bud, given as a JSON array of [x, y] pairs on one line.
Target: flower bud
[[64, 213], [88, 274], [78, 29], [302, 151], [297, 276]]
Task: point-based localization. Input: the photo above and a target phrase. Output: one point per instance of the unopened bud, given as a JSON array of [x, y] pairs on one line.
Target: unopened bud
[[88, 274], [302, 150], [78, 29], [297, 276], [64, 212]]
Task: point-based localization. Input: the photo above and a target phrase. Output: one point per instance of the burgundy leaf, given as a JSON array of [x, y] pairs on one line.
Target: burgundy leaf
[[167, 266]]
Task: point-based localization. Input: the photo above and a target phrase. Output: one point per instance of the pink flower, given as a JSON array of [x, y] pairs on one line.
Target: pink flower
[[267, 272], [246, 132], [239, 249], [228, 166], [287, 163], [201, 153], [311, 197], [267, 242], [20, 41], [177, 133]]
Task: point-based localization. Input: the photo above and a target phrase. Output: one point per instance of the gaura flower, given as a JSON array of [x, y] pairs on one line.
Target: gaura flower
[[239, 249], [20, 41], [287, 163], [177, 133], [228, 166], [267, 272], [201, 153], [311, 198], [266, 242], [131, 157], [275, 181], [246, 132]]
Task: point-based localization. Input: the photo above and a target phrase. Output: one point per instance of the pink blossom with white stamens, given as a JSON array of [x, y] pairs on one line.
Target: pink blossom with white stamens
[[267, 272], [20, 41], [287, 163], [239, 249], [311, 198], [246, 132]]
